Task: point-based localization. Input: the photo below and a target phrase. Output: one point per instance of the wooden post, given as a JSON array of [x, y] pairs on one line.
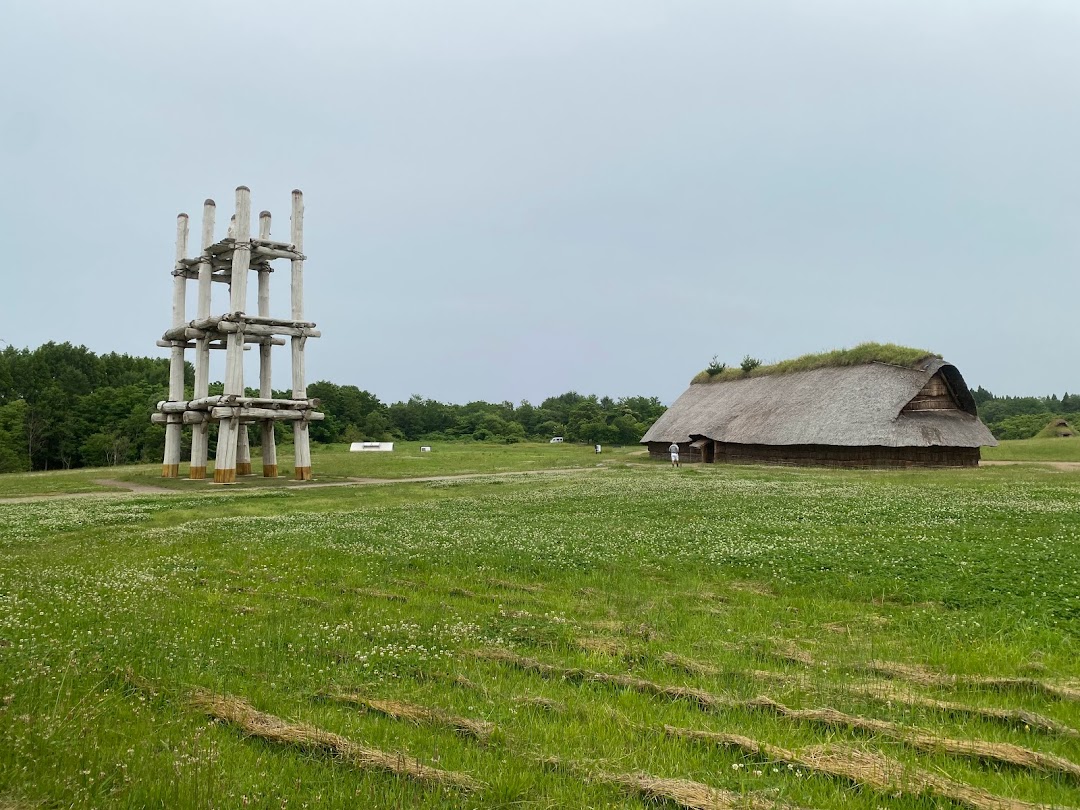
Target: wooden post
[[243, 451], [200, 436], [228, 429], [301, 440], [170, 467], [266, 389]]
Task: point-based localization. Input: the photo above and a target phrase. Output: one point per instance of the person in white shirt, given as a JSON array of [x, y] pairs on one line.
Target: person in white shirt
[[674, 450]]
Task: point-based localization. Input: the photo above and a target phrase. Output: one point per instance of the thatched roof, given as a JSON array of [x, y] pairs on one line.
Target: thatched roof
[[849, 406], [1057, 429]]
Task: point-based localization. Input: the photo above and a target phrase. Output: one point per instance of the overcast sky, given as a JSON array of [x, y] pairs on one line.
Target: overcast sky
[[507, 200]]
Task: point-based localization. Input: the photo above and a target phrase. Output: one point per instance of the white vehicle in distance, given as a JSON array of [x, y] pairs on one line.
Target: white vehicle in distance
[[556, 440]]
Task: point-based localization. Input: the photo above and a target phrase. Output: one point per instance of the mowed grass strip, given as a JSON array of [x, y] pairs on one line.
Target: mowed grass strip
[[698, 697], [919, 739], [605, 645], [884, 692], [693, 666], [479, 730], [923, 676], [1003, 753], [890, 693], [240, 714], [864, 768], [542, 704], [682, 792], [787, 651], [688, 793]]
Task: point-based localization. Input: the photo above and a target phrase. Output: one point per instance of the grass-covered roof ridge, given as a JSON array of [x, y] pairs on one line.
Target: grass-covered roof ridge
[[864, 353], [1056, 428]]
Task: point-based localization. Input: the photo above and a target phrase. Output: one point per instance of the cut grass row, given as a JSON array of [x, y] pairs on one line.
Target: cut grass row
[[867, 769]]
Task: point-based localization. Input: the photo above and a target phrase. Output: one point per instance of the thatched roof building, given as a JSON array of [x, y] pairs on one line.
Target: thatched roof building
[[872, 414], [1057, 429]]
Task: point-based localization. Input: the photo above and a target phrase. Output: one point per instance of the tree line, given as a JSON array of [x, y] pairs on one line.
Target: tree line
[[63, 406], [1023, 417]]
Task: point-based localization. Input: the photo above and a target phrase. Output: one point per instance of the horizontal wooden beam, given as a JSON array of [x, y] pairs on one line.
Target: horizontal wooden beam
[[257, 414], [165, 344], [253, 333], [187, 418], [270, 243], [243, 317], [276, 253], [232, 400]]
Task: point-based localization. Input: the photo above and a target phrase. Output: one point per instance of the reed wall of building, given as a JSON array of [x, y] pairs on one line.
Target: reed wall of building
[[688, 454], [833, 456]]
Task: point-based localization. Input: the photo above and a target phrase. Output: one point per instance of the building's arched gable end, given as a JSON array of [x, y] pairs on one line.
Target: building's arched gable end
[[944, 391], [934, 396], [960, 391]]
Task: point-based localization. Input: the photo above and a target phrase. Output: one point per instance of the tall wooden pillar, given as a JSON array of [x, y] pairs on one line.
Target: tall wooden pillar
[[301, 440], [266, 388], [243, 450], [174, 427], [228, 428], [200, 436]]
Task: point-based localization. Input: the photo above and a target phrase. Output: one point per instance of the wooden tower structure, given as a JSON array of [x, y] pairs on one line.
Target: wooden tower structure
[[229, 261]]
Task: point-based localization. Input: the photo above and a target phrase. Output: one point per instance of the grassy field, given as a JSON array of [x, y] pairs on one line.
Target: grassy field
[[1056, 449], [569, 640], [334, 463], [63, 482]]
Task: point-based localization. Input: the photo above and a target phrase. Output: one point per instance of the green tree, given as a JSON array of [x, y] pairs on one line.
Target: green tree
[[13, 455], [376, 427], [749, 363], [582, 419]]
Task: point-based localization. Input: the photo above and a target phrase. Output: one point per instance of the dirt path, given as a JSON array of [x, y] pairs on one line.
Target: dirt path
[[140, 489], [459, 477], [1063, 466], [131, 488]]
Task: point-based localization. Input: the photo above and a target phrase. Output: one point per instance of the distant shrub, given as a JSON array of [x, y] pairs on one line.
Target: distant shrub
[[715, 367], [749, 363]]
